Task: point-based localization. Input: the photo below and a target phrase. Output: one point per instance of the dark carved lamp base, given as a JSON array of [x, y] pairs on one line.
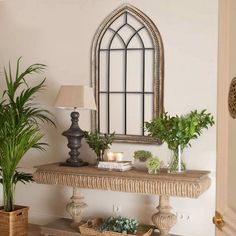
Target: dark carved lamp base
[[74, 135], [74, 164]]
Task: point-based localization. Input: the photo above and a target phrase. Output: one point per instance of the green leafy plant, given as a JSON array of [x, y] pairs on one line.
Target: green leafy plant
[[99, 142], [18, 177], [119, 224], [178, 131], [153, 164], [142, 155], [20, 120]]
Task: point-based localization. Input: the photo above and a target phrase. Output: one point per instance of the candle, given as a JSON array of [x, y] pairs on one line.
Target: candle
[[111, 156], [119, 156]]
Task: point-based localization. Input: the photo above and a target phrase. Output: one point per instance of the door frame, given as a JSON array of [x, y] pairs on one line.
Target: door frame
[[224, 77]]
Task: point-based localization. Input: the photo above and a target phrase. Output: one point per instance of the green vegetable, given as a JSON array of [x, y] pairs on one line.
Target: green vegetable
[[153, 164], [142, 155]]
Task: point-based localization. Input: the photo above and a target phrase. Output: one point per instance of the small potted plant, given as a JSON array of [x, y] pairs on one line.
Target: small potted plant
[[119, 224], [114, 226], [153, 165], [178, 131], [99, 142], [20, 121], [140, 158]]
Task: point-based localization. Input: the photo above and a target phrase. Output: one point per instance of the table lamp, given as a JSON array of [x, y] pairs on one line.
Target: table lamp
[[75, 97]]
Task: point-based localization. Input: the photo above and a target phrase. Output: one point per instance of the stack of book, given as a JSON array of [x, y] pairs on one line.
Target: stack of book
[[118, 166]]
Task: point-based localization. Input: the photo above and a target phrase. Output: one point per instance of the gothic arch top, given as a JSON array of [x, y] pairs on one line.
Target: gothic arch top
[[158, 63]]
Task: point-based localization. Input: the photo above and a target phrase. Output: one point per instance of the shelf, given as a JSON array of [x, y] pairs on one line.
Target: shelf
[[61, 227], [190, 184]]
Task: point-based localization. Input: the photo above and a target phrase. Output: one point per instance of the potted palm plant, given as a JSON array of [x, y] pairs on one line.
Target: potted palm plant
[[20, 120], [178, 131]]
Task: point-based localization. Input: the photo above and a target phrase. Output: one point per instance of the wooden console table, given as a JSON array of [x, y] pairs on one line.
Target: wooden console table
[[190, 184]]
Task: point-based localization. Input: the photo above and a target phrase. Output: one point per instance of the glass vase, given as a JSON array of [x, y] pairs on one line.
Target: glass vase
[[177, 164]]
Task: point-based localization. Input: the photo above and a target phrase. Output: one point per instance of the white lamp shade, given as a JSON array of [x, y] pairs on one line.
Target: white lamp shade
[[75, 96]]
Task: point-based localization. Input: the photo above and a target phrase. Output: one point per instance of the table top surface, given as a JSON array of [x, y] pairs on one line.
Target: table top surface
[[190, 184], [189, 175]]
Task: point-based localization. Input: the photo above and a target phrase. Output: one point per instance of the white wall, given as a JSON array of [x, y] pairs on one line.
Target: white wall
[[59, 33]]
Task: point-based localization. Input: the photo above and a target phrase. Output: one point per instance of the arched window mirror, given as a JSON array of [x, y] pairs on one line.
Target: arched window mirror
[[127, 71]]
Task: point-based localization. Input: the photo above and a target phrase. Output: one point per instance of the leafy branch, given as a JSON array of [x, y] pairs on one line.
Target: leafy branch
[[179, 130], [99, 142]]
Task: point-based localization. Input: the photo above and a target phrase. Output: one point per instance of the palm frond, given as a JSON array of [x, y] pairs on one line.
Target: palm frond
[[20, 120], [22, 177], [19, 177]]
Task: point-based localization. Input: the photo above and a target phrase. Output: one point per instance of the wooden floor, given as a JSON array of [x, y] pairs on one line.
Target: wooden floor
[[34, 230]]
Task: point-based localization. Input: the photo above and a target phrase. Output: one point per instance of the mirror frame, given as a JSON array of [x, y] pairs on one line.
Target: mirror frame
[[158, 68]]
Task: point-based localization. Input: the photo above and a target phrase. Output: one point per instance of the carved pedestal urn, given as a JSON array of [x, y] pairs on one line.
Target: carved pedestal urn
[[76, 208], [164, 219]]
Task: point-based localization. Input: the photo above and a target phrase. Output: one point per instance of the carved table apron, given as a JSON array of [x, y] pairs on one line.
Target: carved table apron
[[190, 184]]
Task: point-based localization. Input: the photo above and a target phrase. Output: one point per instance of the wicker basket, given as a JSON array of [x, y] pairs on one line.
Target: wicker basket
[[14, 223], [89, 229]]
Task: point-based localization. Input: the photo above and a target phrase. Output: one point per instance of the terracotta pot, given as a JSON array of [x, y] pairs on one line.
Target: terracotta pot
[[14, 223]]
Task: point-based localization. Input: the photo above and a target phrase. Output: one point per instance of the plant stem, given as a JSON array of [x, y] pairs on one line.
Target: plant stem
[[174, 165], [8, 194]]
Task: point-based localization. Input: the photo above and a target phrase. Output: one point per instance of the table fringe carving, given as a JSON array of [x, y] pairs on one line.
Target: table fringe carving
[[171, 188]]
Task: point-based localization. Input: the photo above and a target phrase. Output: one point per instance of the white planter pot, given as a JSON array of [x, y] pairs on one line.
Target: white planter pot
[[139, 165]]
